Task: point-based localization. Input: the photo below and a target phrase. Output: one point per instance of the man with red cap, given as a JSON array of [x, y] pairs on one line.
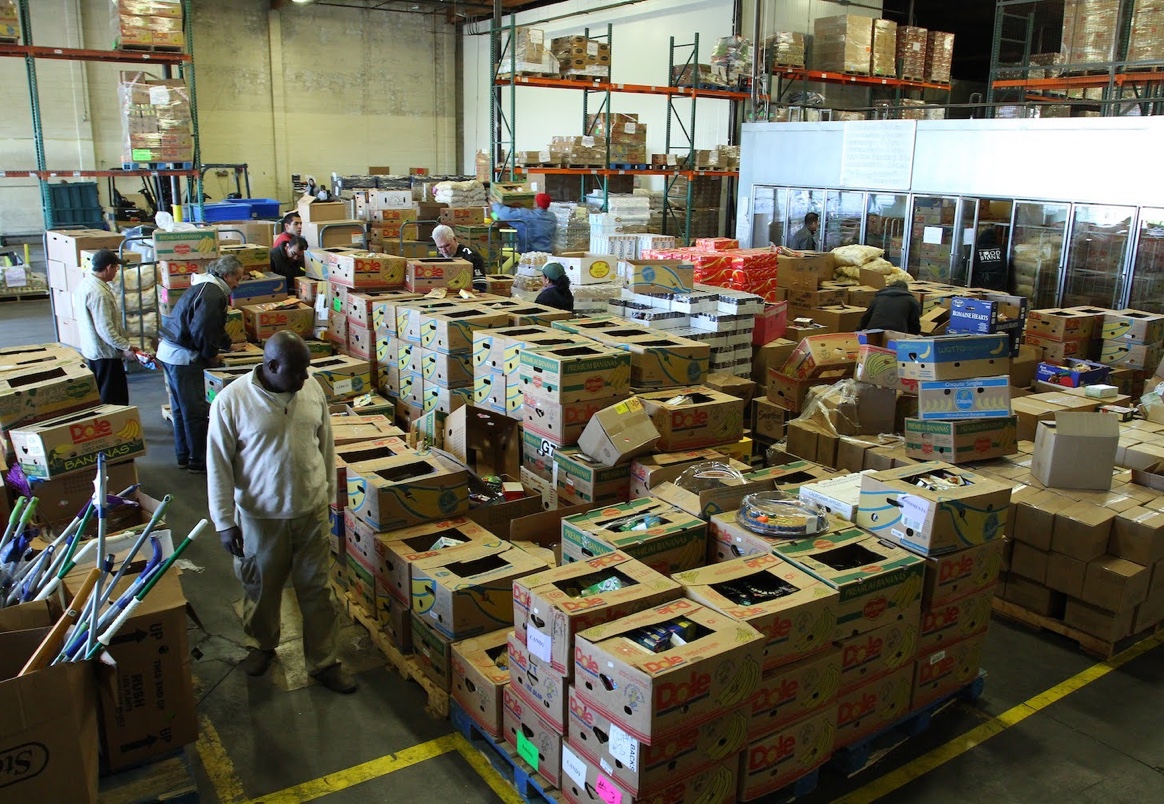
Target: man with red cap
[[535, 229]]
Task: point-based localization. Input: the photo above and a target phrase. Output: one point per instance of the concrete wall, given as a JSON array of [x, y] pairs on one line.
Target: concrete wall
[[310, 89]]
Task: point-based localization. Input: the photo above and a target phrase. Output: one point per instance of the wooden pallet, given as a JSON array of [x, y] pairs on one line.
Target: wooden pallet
[[168, 780], [28, 295], [868, 751], [406, 666], [530, 785], [153, 48], [1091, 645]]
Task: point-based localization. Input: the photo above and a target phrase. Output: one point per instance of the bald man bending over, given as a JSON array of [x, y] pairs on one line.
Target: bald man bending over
[[270, 462]]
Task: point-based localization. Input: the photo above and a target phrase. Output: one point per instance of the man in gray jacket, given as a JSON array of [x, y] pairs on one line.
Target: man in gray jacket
[[104, 343], [270, 462]]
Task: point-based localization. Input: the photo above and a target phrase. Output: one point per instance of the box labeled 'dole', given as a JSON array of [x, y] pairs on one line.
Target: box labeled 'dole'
[[71, 443], [689, 418], [394, 493], [478, 681], [662, 537]]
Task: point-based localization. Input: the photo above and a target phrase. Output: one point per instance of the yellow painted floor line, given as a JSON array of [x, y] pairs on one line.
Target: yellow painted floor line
[[217, 763], [497, 783], [358, 774], [897, 779]]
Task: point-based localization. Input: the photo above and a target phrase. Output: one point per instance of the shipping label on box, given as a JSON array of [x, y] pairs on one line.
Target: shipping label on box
[[341, 377], [719, 669], [394, 493], [537, 683], [956, 357], [961, 441], [574, 373], [669, 540], [946, 669], [797, 622], [953, 400], [71, 443], [878, 583], [952, 508], [590, 783]]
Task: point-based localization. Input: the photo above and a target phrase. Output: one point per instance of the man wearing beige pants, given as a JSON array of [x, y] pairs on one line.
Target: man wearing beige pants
[[270, 461]]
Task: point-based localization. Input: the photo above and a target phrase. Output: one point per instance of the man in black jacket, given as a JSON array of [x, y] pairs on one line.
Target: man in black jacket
[[192, 337], [894, 308], [287, 260]]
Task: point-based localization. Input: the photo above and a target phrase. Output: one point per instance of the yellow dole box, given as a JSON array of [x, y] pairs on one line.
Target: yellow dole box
[[71, 443]]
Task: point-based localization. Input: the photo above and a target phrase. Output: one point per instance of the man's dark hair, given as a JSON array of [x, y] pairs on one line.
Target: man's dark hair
[[290, 216], [300, 242], [811, 217]]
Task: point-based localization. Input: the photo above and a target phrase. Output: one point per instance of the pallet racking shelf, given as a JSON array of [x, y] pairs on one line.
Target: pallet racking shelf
[[778, 80]]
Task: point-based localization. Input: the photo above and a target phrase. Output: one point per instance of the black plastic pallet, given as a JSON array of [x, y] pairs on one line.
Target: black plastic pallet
[[157, 165], [804, 786], [867, 751], [532, 788]]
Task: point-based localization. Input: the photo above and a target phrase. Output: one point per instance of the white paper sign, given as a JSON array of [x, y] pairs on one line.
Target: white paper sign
[[357, 240], [15, 278], [573, 767], [538, 644], [624, 748], [630, 128], [587, 142], [932, 235], [340, 387], [914, 511]]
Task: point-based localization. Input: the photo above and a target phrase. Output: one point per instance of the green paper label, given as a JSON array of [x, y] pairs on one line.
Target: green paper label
[[527, 751], [337, 305], [141, 154]]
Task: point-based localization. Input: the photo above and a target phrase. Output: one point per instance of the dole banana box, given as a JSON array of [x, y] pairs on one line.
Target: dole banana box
[[867, 709], [14, 358], [646, 769], [550, 607], [819, 353], [961, 573], [195, 244], [1062, 324], [506, 351], [342, 377], [489, 344], [667, 361], [581, 480], [446, 370], [648, 471], [968, 509], [591, 784], [383, 306], [654, 276], [410, 314], [433, 653], [878, 583], [251, 255], [946, 670], [408, 357], [445, 400], [796, 613], [954, 620], [528, 315], [235, 327], [561, 424], [879, 652], [451, 331], [261, 321], [479, 682], [793, 691], [955, 400], [956, 357], [361, 429], [50, 389], [1126, 354], [362, 269], [537, 454], [423, 274], [662, 537], [537, 742], [394, 493], [574, 373], [689, 418], [961, 441], [468, 592], [1134, 326], [489, 391], [650, 694], [537, 683], [796, 749], [71, 443], [358, 453], [398, 551]]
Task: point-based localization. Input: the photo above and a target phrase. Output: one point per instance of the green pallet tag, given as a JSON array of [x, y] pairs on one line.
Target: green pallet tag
[[527, 750]]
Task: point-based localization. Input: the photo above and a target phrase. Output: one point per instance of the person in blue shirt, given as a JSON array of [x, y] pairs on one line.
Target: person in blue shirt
[[535, 229]]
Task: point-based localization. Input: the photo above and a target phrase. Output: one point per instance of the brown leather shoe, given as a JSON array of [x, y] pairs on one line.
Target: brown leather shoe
[[257, 661]]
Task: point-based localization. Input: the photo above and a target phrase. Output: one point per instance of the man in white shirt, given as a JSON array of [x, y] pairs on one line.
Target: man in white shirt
[[270, 462], [104, 343]]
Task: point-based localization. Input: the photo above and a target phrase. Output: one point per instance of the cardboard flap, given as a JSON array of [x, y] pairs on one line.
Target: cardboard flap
[[1087, 424]]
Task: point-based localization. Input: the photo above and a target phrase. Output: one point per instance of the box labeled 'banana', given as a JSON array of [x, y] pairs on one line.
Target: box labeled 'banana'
[[961, 441], [664, 538], [479, 681], [581, 480], [932, 508], [398, 551], [451, 331], [669, 687], [342, 377], [653, 276], [574, 373], [951, 621], [868, 708], [694, 417], [36, 391], [955, 400], [394, 493], [646, 770], [561, 424], [1135, 326], [71, 443], [427, 273], [794, 691], [193, 244], [382, 307], [946, 669], [363, 269], [796, 613], [535, 740], [879, 652], [878, 583], [774, 762], [957, 357]]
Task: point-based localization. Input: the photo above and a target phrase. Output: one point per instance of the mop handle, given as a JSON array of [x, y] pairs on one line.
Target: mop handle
[[52, 642], [141, 539]]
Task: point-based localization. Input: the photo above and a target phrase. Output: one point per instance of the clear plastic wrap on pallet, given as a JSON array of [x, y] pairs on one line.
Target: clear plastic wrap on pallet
[[731, 59], [594, 298], [1146, 42], [1089, 31], [573, 230], [155, 119], [784, 49], [461, 193], [911, 52], [883, 60], [842, 44], [9, 22], [939, 56]]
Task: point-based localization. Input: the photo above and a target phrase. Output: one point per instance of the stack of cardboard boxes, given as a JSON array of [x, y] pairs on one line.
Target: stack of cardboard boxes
[[843, 44], [579, 57], [156, 122], [148, 25], [63, 258]]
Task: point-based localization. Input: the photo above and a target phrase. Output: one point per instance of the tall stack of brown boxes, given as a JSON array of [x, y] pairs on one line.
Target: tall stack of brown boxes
[[842, 44], [911, 52], [1133, 339], [63, 257], [581, 57], [884, 50], [626, 135], [939, 56]]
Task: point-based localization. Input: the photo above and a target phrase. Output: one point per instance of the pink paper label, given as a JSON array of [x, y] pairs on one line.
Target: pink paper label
[[607, 791]]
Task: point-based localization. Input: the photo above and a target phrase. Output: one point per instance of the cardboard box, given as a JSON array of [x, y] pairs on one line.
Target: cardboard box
[[1063, 324], [961, 573], [1138, 535], [817, 354], [1065, 574], [1034, 512], [1134, 326], [945, 670], [195, 244], [394, 493], [879, 652], [312, 210], [790, 692], [868, 708], [798, 622], [1114, 584], [961, 441], [342, 377], [1131, 355], [264, 320], [561, 425], [394, 554], [538, 743], [478, 682], [792, 751], [648, 471], [550, 607], [838, 496], [1033, 597], [689, 418], [1029, 411], [487, 443], [675, 688], [574, 373], [433, 653], [39, 392], [805, 272], [930, 522], [791, 393], [65, 246], [423, 274], [449, 330], [1106, 625], [618, 433], [581, 480], [71, 443], [953, 620], [878, 583], [652, 276], [878, 366], [767, 419], [1076, 374], [589, 269], [1082, 531], [956, 357], [686, 789], [1059, 446], [673, 541], [360, 269], [536, 682], [954, 400]]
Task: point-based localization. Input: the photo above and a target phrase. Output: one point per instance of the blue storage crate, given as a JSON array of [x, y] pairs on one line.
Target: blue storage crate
[[76, 204], [258, 207], [215, 213]]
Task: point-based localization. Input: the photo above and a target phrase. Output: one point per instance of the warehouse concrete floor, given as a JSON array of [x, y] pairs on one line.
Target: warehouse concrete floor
[[1051, 726]]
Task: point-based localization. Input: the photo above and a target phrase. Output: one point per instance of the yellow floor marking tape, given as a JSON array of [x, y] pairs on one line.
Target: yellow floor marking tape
[[358, 774], [897, 779], [217, 763], [478, 761]]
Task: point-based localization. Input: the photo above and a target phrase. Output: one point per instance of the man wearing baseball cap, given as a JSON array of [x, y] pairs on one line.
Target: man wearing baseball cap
[[104, 343], [556, 288], [535, 230]]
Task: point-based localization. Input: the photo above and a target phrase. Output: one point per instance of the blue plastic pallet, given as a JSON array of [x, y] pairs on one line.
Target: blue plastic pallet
[[628, 166], [804, 786], [532, 788], [859, 755]]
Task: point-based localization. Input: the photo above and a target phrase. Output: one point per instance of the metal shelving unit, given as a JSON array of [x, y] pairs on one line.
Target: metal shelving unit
[[774, 85], [168, 60]]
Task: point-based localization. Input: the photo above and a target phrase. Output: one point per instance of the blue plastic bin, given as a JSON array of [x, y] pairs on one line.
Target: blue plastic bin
[[259, 207]]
